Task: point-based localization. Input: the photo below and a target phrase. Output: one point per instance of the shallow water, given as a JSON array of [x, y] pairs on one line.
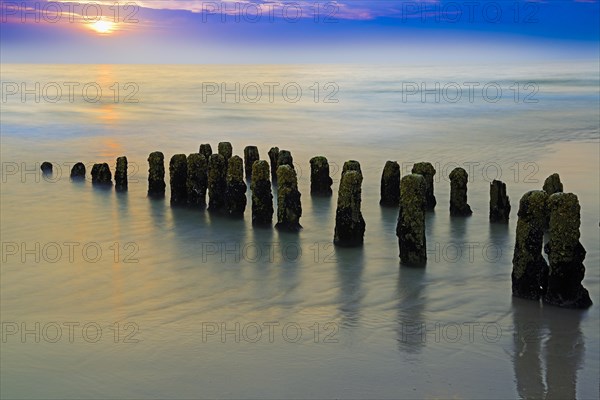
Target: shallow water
[[314, 320]]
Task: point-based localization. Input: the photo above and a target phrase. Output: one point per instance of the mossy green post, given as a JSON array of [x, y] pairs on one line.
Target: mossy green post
[[552, 184], [566, 254], [458, 193], [226, 150], [320, 181], [499, 202], [410, 228], [427, 170], [217, 184], [121, 174], [206, 151], [349, 222], [156, 174], [78, 171], [101, 174], [250, 155], [351, 165], [390, 185], [236, 187], [289, 207], [197, 180], [284, 158], [262, 197], [178, 179], [273, 157], [530, 269]]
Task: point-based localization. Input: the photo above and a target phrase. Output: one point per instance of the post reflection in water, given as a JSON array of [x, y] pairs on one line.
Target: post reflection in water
[[458, 229], [157, 211], [350, 266], [527, 337], [389, 220], [564, 352], [290, 248], [411, 304], [549, 337], [321, 206]]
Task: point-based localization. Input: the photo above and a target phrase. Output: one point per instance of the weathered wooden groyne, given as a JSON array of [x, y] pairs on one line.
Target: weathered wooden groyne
[[262, 196], [289, 208], [390, 185], [499, 202], [349, 223], [197, 178], [121, 174], [411, 220], [556, 281], [235, 191]]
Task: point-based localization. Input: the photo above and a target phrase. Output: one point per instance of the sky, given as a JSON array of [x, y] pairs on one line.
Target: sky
[[297, 31]]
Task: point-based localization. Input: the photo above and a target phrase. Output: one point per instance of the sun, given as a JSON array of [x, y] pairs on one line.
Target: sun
[[103, 26]]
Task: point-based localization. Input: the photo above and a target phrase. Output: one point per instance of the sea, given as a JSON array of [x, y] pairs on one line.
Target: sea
[[108, 295]]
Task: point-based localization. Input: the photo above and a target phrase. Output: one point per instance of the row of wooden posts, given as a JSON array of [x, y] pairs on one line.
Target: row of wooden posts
[[222, 176]]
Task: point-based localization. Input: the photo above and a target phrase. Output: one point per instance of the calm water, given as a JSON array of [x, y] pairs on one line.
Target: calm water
[[166, 287]]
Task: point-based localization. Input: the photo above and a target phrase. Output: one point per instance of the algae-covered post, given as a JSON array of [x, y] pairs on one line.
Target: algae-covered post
[[250, 155], [320, 181], [197, 179], [566, 254], [226, 150], [289, 208], [411, 220], [529, 266], [156, 174], [78, 171], [262, 197], [273, 157], [552, 184], [458, 193], [236, 187], [206, 151], [426, 169], [178, 179], [101, 174], [390, 184], [217, 183], [499, 202], [285, 158], [351, 165], [349, 222], [121, 174], [46, 168]]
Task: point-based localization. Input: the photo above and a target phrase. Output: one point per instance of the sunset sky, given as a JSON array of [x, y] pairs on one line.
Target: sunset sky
[[302, 31]]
